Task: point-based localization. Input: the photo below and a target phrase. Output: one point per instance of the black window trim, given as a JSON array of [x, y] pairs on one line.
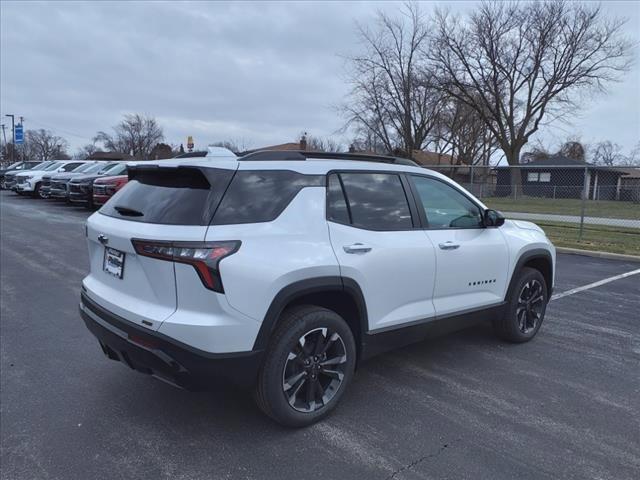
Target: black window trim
[[411, 203], [422, 215]]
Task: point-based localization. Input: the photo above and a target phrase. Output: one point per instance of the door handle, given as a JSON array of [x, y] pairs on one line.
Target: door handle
[[448, 245], [356, 248]]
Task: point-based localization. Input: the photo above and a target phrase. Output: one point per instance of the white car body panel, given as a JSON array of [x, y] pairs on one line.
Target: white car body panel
[[295, 246], [147, 291], [474, 274], [396, 276]]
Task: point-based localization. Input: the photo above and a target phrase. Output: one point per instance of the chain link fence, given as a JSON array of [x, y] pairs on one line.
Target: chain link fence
[[581, 206]]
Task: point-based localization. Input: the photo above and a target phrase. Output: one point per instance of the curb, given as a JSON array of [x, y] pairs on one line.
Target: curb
[[598, 254]]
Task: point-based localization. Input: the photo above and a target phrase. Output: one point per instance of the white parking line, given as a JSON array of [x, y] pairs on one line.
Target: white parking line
[[594, 284]]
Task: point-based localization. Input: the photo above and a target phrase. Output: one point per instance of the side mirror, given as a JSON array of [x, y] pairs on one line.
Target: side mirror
[[493, 218]]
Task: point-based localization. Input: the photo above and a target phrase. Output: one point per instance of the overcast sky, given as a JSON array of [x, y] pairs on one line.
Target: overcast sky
[[257, 73]]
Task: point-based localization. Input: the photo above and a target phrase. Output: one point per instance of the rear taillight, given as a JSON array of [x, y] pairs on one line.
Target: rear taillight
[[204, 256]]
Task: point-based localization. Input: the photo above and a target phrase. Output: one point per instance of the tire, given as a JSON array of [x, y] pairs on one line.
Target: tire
[[273, 394], [526, 308], [36, 191]]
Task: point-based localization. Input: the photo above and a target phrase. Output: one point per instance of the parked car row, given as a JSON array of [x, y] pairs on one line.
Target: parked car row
[[85, 182], [69, 180]]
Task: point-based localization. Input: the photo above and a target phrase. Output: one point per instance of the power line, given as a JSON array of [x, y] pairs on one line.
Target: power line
[[56, 129]]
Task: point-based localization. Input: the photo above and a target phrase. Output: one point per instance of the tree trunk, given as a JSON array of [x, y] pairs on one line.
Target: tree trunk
[[513, 159]]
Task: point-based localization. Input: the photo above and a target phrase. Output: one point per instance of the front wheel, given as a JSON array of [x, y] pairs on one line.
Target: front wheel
[[526, 308], [308, 366]]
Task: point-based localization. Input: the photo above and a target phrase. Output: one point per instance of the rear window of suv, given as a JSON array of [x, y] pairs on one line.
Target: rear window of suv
[[175, 196], [191, 196]]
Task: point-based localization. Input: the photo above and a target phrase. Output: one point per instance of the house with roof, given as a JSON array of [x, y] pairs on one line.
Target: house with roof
[[630, 185], [291, 146], [558, 176], [109, 156], [479, 179]]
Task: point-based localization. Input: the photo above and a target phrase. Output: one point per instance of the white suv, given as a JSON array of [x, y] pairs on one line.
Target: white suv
[[281, 271], [30, 181]]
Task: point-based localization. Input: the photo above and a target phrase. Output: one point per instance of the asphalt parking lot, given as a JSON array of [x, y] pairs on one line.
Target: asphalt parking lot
[[464, 406]]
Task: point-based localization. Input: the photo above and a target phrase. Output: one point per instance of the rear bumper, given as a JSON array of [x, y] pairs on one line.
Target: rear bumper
[[156, 354]]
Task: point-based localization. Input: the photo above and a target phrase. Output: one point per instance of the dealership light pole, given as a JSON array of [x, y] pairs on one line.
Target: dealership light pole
[[13, 134], [4, 135]]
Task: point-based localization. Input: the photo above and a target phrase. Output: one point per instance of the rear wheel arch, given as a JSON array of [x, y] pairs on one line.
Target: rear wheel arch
[[341, 295]]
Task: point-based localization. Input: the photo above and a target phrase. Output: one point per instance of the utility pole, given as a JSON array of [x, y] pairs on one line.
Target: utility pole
[[13, 134], [22, 145], [4, 135], [2, 150]]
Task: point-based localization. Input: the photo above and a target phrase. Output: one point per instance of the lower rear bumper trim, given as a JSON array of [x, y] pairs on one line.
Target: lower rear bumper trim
[[156, 354]]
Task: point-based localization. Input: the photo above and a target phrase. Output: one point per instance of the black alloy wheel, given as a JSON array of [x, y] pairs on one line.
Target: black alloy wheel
[[314, 370]]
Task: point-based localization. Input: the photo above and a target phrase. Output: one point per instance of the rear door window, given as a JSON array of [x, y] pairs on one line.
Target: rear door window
[[376, 201], [170, 196], [337, 210]]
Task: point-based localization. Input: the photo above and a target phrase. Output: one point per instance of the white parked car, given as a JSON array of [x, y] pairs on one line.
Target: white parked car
[[281, 271], [31, 180]]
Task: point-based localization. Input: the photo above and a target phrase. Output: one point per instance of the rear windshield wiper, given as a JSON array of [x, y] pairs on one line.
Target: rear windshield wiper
[[128, 212]]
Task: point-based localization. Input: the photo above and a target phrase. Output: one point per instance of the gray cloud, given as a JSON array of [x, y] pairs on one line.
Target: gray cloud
[[262, 72]]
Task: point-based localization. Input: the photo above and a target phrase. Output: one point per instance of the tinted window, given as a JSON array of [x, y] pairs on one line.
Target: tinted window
[[83, 168], [70, 166], [117, 169], [53, 166], [260, 196], [446, 207], [176, 196], [95, 167], [43, 165], [336, 205], [377, 201]]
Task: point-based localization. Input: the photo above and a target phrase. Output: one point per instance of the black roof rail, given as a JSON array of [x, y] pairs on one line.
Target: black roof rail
[[197, 154], [301, 155]]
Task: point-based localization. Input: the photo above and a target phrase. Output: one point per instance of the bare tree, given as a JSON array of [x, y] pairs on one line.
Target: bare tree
[[44, 145], [86, 151], [367, 140], [573, 149], [608, 153], [461, 133], [633, 159], [391, 96], [319, 144], [135, 134], [236, 146], [516, 64], [160, 151]]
